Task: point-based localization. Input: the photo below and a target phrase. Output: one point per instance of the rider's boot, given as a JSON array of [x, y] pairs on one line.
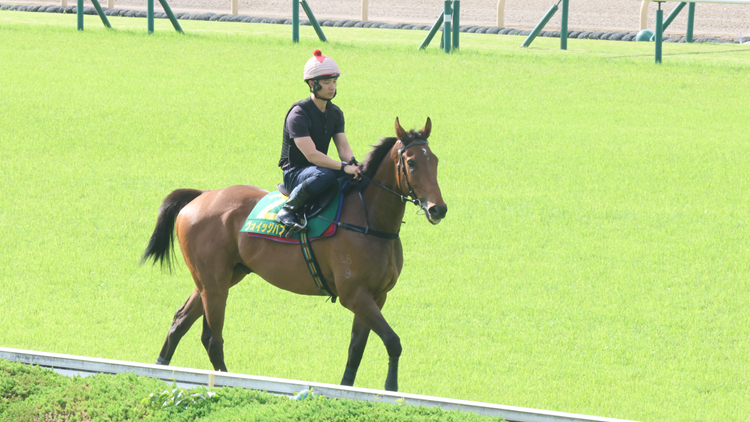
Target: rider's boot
[[289, 215]]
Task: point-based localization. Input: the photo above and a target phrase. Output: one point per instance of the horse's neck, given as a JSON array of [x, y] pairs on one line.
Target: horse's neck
[[385, 210]]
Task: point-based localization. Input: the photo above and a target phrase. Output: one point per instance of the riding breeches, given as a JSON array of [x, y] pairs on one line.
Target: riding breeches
[[318, 178]]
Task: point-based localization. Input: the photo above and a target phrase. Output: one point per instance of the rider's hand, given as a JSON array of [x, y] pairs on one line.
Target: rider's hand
[[353, 169]]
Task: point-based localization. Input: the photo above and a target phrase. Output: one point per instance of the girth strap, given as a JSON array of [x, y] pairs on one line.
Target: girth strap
[[314, 267]]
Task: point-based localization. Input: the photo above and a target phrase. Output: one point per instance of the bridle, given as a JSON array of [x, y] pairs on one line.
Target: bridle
[[411, 197], [402, 168]]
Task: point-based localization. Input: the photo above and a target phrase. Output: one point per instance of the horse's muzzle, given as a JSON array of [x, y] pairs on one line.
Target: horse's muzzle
[[436, 213]]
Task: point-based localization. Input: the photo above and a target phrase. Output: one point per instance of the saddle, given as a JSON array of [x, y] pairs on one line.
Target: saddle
[[316, 205], [321, 215]]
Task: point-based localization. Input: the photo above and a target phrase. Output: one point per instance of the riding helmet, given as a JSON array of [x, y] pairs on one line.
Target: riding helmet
[[321, 67]]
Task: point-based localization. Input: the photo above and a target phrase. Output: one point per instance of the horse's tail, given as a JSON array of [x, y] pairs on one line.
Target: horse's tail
[[161, 246]]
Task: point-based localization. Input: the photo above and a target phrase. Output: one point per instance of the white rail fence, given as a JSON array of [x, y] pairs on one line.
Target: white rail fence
[[234, 6], [500, 21], [645, 4], [365, 5], [82, 366]]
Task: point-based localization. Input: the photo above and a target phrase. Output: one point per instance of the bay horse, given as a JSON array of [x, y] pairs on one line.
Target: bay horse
[[361, 268]]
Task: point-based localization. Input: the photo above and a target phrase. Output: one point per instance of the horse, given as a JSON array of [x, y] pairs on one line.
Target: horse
[[362, 264]]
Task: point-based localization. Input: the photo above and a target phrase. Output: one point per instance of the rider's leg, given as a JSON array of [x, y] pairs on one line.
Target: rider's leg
[[289, 213], [322, 179], [306, 184]]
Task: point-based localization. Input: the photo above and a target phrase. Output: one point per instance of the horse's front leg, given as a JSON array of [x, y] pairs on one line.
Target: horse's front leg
[[367, 309], [360, 333]]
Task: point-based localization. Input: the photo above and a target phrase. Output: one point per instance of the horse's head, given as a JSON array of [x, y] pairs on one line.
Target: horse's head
[[417, 170]]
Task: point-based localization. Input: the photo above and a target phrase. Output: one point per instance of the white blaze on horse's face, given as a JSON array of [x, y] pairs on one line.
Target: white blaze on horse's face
[[420, 171]]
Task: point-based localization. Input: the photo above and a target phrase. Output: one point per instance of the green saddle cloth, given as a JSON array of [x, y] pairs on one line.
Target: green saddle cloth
[[262, 220]]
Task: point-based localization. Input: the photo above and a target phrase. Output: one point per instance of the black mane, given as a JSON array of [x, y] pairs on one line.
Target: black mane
[[378, 154]]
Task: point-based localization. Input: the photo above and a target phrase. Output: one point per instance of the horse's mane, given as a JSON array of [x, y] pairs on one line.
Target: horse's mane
[[378, 154]]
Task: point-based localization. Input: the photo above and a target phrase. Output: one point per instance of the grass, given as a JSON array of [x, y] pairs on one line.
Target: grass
[[31, 393], [594, 258]]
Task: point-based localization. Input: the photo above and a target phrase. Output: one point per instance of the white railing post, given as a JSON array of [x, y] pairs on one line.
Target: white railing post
[[644, 14], [365, 6], [500, 13], [110, 4], [234, 7]]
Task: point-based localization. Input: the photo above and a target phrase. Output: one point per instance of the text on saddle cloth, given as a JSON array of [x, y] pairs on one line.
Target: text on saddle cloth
[[262, 219]]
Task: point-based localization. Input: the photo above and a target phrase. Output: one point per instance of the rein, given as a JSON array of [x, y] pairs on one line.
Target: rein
[[404, 198]]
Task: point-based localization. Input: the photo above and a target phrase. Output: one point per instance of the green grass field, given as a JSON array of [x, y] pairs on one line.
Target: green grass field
[[30, 393], [594, 258]]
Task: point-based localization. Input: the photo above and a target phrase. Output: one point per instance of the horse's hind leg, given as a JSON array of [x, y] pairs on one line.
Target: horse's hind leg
[[183, 320], [360, 333], [215, 300], [206, 334], [214, 306]]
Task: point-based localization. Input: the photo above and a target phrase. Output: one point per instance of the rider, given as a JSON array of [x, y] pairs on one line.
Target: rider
[[310, 124]]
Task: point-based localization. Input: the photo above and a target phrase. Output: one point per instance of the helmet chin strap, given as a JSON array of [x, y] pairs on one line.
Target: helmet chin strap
[[316, 87]]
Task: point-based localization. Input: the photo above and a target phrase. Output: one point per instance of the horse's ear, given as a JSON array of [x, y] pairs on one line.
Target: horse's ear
[[427, 129], [400, 132]]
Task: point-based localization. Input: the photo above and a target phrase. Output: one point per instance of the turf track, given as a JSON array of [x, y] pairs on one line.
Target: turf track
[[594, 259]]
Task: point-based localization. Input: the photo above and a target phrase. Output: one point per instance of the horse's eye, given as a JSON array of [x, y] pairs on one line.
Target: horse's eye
[[412, 164]]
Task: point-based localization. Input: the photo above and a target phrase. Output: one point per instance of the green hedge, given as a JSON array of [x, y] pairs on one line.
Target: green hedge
[[32, 393]]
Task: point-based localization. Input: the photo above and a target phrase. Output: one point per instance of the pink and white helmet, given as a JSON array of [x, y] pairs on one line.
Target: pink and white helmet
[[321, 67]]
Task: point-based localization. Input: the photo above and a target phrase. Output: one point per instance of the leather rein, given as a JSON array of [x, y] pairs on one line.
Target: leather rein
[[411, 197]]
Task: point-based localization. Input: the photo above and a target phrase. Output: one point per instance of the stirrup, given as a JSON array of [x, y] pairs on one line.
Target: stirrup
[[292, 229]]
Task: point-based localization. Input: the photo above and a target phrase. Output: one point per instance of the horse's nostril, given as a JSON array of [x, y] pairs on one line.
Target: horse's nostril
[[438, 212]]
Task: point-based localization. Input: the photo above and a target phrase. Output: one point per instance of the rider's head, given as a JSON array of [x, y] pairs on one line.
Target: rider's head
[[321, 75]]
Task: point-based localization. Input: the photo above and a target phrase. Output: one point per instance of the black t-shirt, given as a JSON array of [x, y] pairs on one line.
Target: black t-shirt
[[306, 119]]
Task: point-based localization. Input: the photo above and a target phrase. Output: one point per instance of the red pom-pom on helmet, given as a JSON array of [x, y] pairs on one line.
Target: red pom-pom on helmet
[[321, 67]]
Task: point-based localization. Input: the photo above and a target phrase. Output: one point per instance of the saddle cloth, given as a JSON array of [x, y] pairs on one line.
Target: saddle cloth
[[262, 219]]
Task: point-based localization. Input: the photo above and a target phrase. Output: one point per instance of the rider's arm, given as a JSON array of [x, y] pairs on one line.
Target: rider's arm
[[307, 147], [342, 146], [345, 153]]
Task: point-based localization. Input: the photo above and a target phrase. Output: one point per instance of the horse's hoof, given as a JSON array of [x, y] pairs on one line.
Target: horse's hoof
[[162, 361]]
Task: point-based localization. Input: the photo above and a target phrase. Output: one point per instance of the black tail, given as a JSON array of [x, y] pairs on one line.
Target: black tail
[[161, 246]]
